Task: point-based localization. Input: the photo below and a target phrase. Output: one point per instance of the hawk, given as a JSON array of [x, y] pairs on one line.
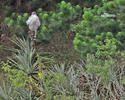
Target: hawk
[[33, 22]]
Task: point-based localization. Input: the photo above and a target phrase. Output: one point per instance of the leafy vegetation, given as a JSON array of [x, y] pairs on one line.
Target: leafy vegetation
[[47, 71], [51, 21], [96, 27]]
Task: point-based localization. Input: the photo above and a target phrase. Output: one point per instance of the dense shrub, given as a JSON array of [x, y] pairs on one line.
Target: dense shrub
[[97, 25], [50, 21], [99, 38], [101, 62]]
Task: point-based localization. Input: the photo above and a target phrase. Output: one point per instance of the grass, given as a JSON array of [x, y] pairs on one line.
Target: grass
[[65, 76]]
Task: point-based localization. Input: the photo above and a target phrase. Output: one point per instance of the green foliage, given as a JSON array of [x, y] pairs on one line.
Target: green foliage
[[98, 37], [96, 27], [53, 85], [63, 97], [25, 55], [19, 22], [18, 77], [101, 63], [123, 80], [21, 68], [18, 70], [1, 47], [107, 51], [50, 21], [100, 70], [8, 92]]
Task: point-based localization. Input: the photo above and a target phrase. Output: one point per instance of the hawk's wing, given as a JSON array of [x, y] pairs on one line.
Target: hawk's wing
[[28, 21], [33, 20]]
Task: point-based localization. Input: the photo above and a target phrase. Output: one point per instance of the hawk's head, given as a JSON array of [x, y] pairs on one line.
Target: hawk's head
[[33, 13]]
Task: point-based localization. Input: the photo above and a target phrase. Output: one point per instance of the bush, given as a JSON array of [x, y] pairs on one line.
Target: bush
[[50, 21], [97, 25]]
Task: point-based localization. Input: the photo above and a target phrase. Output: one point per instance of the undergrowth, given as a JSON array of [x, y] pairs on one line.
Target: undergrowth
[[99, 38]]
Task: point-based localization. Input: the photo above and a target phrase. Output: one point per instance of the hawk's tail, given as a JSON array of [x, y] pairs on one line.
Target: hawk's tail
[[35, 35]]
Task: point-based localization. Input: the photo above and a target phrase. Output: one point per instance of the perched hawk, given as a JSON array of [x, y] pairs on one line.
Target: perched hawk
[[33, 22]]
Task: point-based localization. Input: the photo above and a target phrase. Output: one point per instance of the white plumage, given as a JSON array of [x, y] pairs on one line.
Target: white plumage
[[33, 22], [108, 15]]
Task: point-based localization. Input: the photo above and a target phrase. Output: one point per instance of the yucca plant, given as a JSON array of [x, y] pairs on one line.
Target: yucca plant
[[25, 94], [53, 85], [25, 55], [7, 92], [24, 65]]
